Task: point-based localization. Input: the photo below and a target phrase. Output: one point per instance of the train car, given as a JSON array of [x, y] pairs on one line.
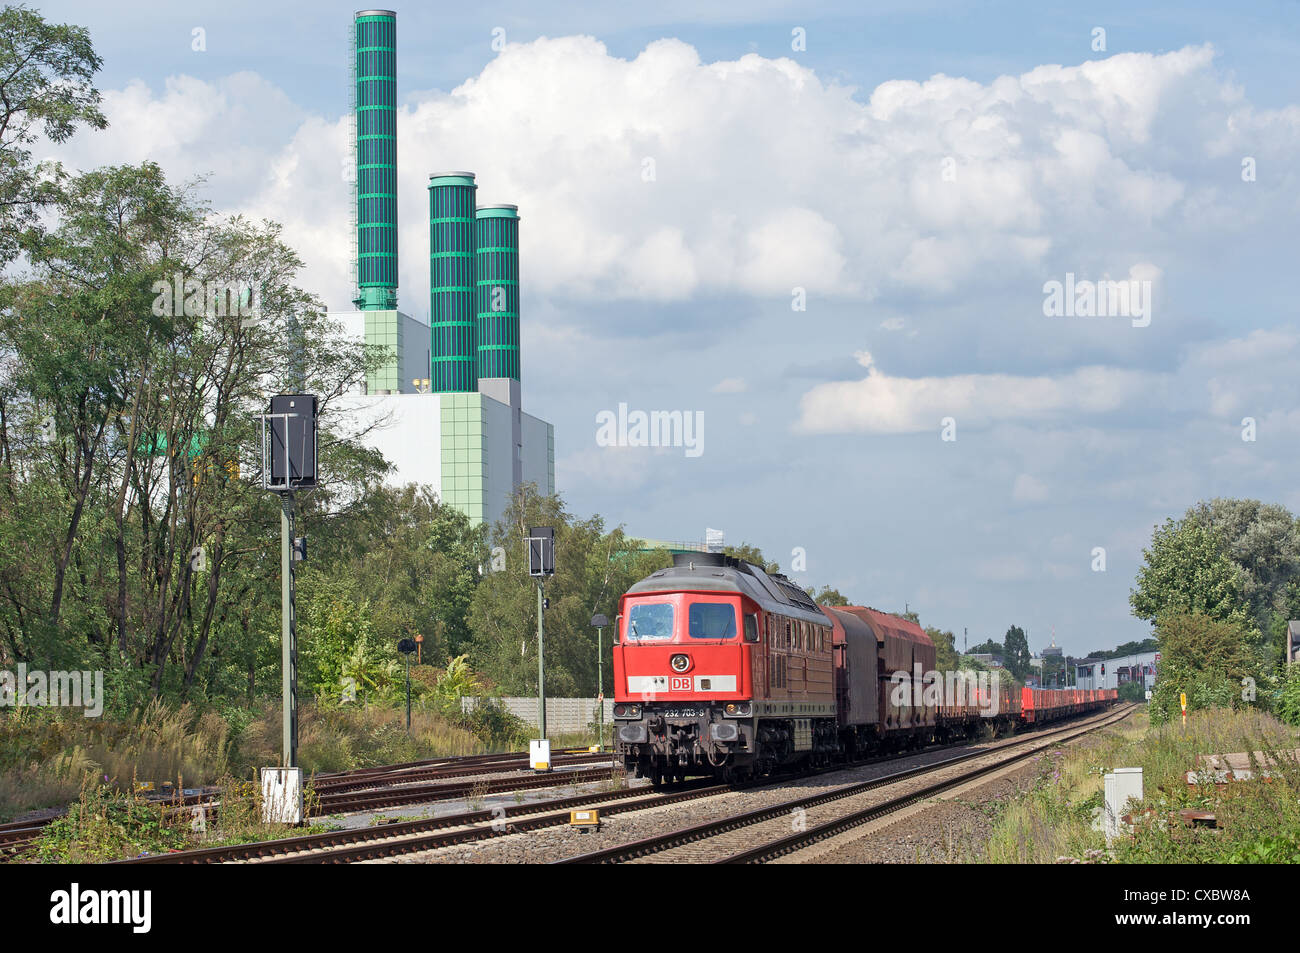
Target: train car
[[721, 668], [905, 655], [857, 700], [1041, 705]]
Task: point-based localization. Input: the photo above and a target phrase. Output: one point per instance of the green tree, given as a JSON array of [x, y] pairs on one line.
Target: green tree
[[133, 533], [1263, 541], [1016, 652], [1186, 569], [828, 596], [46, 90], [594, 568], [946, 657], [1204, 658], [752, 554]]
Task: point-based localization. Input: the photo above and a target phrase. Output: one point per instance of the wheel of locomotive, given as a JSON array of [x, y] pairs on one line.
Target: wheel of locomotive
[[657, 777]]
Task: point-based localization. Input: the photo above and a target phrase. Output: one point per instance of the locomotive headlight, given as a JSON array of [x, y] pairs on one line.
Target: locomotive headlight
[[737, 709], [680, 663], [627, 711]]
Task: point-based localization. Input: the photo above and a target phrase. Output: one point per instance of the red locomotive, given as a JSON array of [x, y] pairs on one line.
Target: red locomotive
[[721, 668]]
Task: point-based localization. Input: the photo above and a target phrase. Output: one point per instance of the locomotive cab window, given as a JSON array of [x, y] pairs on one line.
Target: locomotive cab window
[[711, 620], [650, 620], [751, 628]]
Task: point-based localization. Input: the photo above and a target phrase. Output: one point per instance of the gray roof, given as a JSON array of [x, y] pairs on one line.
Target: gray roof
[[717, 573]]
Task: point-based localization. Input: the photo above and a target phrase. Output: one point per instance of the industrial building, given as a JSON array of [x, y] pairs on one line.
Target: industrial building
[[446, 406], [1114, 672]]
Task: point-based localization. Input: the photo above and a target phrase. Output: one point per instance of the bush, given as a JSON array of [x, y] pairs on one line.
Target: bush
[[1288, 703], [1133, 692]]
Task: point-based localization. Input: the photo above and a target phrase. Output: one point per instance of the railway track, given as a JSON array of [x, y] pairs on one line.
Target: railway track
[[17, 836], [386, 840], [347, 801], [383, 841], [392, 839], [815, 817], [373, 778]]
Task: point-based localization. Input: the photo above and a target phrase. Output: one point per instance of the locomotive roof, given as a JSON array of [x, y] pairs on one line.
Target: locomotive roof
[[715, 572]]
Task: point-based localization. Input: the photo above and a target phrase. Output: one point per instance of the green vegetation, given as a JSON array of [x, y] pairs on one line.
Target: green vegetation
[[1258, 821], [1016, 652], [1219, 586]]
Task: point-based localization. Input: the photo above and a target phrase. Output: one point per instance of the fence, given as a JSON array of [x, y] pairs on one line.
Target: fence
[[562, 714]]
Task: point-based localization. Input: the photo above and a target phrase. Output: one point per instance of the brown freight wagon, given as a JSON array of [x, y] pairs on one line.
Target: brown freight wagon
[[904, 654]]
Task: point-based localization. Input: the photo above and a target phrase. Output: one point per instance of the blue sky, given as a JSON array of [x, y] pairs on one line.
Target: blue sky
[[920, 171]]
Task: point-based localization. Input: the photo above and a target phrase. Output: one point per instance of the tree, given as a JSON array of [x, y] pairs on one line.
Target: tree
[[1187, 570], [594, 568], [1263, 540], [752, 554], [45, 90], [828, 597], [418, 561], [1016, 652], [946, 657], [1204, 658], [133, 533]]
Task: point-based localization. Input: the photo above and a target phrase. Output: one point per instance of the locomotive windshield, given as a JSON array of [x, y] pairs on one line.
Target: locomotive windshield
[[650, 620], [712, 620]]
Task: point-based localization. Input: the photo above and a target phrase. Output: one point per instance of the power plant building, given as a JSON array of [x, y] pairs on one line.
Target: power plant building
[[445, 405]]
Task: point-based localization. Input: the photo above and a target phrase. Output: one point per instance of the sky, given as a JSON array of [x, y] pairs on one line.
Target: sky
[[841, 234]]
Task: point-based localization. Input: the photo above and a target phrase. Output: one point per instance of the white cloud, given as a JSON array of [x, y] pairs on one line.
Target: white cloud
[[730, 385], [766, 176], [880, 403]]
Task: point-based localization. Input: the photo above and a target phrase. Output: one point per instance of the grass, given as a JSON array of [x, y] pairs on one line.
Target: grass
[[48, 756], [51, 759], [1258, 821], [103, 825]]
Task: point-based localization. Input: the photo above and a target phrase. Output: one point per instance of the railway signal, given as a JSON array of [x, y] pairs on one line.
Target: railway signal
[[541, 563], [289, 464]]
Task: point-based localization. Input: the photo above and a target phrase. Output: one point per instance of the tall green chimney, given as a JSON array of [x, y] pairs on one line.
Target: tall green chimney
[[376, 121], [452, 326]]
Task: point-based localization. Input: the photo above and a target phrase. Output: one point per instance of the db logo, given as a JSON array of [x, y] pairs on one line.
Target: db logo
[[680, 683]]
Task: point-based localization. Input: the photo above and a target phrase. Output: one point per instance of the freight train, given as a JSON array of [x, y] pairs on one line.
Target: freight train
[[721, 668]]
